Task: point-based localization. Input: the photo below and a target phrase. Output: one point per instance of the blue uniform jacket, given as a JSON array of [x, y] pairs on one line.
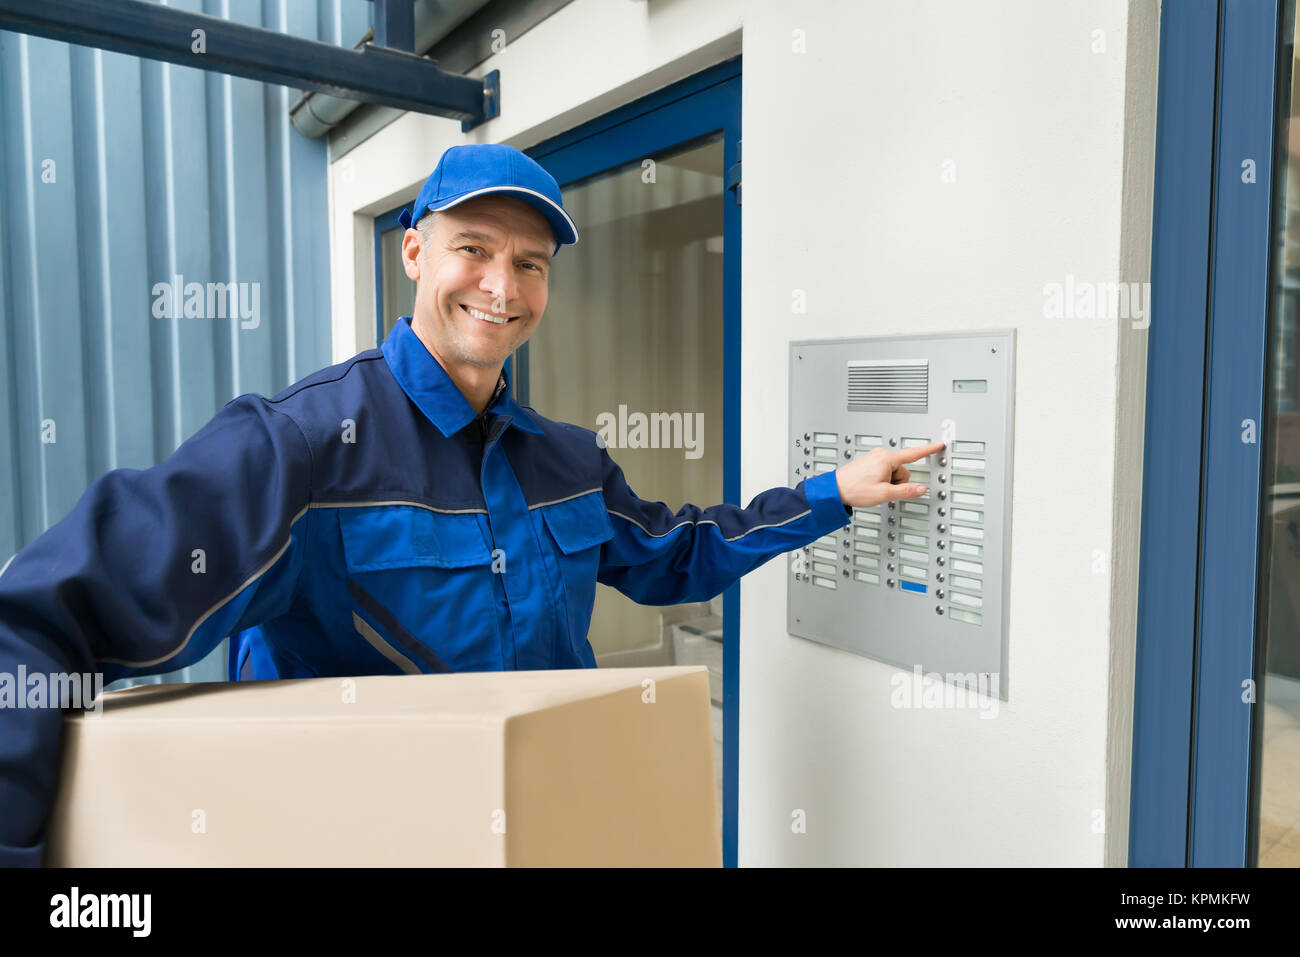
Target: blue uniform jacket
[[363, 521]]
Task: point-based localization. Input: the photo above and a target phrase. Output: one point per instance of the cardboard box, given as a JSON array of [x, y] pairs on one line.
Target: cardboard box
[[584, 767]]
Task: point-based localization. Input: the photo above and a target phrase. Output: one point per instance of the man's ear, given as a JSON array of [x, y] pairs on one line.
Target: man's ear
[[411, 250]]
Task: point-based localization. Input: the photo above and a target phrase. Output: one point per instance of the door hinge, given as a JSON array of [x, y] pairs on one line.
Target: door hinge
[[733, 174]]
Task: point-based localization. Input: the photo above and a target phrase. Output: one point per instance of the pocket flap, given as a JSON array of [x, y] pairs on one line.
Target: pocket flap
[[579, 523], [401, 536]]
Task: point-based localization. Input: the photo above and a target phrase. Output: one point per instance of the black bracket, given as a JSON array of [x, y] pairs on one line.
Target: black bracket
[[733, 175]]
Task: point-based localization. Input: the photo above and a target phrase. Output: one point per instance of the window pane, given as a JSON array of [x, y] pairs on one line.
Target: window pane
[[398, 293]]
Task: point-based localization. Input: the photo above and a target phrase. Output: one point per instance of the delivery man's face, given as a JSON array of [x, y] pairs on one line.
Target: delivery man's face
[[491, 254]]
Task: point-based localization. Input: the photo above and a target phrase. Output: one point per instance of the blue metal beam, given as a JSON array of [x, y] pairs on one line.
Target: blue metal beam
[[372, 74], [395, 24]]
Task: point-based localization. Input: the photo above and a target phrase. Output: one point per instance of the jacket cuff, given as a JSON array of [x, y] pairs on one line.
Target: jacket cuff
[[828, 509]]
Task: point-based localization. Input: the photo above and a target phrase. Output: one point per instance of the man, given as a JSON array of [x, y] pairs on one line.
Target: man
[[396, 513]]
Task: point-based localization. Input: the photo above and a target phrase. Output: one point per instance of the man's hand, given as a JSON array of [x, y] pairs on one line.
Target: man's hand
[[881, 476]]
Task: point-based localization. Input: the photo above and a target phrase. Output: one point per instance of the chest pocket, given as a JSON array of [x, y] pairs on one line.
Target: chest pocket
[[578, 526], [421, 588]]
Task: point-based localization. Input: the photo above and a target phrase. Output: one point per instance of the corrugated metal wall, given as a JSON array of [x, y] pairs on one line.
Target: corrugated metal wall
[[118, 176]]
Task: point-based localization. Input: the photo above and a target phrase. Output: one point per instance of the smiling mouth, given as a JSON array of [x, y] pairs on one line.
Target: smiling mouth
[[486, 317]]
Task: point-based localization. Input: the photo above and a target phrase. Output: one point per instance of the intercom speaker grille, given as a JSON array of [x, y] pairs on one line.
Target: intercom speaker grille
[[889, 385]]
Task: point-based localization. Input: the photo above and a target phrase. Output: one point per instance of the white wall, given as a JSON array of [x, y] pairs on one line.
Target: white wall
[[844, 147], [1052, 142]]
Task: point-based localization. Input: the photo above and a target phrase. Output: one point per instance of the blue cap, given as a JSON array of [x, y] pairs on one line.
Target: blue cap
[[479, 168]]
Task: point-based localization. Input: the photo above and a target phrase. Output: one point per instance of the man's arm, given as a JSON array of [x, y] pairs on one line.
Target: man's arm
[[657, 557], [146, 574]]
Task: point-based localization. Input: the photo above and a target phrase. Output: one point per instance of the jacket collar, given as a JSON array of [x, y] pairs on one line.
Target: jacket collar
[[426, 382]]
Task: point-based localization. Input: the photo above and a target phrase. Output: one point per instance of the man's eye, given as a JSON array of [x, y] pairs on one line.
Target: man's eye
[[532, 266]]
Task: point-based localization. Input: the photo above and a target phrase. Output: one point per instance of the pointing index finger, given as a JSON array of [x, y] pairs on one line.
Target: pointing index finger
[[919, 452]]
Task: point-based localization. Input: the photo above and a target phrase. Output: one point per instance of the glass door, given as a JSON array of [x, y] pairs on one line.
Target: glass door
[[632, 330], [640, 343]]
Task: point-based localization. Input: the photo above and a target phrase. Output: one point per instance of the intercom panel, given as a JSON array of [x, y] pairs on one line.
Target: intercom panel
[[920, 582]]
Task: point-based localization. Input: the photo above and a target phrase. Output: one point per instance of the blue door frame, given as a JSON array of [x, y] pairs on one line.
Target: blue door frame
[[1198, 613], [701, 105]]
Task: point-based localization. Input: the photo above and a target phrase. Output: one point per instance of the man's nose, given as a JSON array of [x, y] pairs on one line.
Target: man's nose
[[499, 280]]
